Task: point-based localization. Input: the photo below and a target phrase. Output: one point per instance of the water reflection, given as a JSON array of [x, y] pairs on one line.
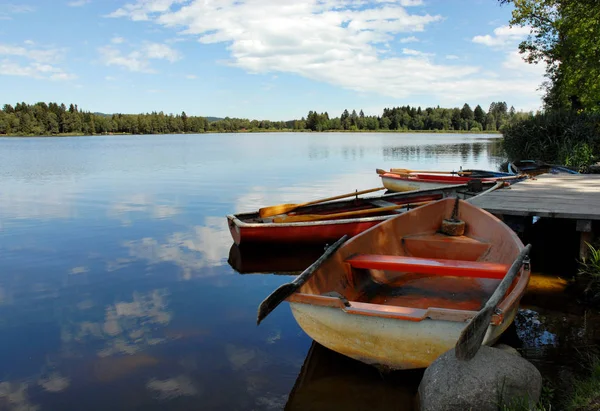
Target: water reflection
[[140, 203], [200, 247], [97, 234], [127, 327], [173, 387], [39, 201], [330, 381], [250, 259], [14, 396], [454, 155]]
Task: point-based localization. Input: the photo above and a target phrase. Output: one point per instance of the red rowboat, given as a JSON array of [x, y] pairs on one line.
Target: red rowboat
[[326, 222]]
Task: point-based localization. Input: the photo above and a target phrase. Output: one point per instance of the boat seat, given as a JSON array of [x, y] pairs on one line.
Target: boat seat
[[435, 266]]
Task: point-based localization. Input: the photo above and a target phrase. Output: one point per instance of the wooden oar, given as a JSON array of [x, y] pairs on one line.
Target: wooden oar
[[498, 185], [407, 171], [319, 217], [285, 290], [286, 208], [472, 335]]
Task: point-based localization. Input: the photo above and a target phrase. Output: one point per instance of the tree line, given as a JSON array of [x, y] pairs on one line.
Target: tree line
[[53, 119], [407, 118]]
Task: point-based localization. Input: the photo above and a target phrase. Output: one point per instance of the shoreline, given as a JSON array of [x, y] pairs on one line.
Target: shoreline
[[257, 131]]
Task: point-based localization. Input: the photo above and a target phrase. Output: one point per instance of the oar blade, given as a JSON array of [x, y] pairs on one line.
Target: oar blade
[[275, 210], [274, 299], [472, 336]]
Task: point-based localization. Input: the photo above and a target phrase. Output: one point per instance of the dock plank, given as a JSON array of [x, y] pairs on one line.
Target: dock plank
[[548, 195]]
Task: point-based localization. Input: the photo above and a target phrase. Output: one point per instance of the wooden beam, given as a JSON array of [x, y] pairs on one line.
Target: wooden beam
[[584, 226]]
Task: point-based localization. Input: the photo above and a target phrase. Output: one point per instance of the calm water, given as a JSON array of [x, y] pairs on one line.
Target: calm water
[[115, 287]]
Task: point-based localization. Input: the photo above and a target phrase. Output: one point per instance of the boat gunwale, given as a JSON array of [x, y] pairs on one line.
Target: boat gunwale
[[446, 180], [236, 218]]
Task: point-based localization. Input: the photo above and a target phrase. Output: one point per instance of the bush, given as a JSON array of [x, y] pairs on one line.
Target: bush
[[556, 137], [589, 275]]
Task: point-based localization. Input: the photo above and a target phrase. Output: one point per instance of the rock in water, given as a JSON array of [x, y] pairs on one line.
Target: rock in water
[[492, 378]]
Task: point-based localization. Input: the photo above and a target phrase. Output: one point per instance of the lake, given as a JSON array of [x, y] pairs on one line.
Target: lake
[[116, 290]]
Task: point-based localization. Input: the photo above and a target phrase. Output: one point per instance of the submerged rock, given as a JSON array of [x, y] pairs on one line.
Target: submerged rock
[[492, 378]]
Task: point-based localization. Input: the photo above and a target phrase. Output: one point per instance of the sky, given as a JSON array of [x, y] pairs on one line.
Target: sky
[[263, 59]]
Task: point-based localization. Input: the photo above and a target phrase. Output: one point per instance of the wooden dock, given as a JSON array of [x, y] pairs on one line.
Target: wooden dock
[[567, 196]]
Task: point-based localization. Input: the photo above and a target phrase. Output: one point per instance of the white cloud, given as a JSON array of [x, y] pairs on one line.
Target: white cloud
[[40, 55], [191, 77], [7, 10], [32, 62], [29, 42], [503, 36], [62, 76], [134, 61], [514, 61], [117, 40], [411, 52], [143, 8], [451, 57], [161, 51], [411, 39], [79, 3], [109, 78], [35, 70], [340, 42], [138, 60]]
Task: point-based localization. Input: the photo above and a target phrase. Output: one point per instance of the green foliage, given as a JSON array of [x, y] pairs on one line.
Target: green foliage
[[589, 274], [555, 137], [522, 404], [565, 36], [585, 392]]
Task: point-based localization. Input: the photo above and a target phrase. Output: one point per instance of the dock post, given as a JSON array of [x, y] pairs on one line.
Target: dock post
[[584, 228]]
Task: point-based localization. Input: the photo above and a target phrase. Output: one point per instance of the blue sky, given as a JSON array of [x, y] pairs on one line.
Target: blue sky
[[263, 59]]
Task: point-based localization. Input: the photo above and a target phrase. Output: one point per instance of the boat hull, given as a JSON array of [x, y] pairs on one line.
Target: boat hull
[[385, 342], [311, 233], [246, 228], [402, 185]]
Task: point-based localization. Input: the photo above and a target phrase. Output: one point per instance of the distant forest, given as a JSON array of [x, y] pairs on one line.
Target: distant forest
[[54, 119]]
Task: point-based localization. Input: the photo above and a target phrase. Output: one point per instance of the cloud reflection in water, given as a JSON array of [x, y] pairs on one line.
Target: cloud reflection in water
[[193, 251], [127, 327]]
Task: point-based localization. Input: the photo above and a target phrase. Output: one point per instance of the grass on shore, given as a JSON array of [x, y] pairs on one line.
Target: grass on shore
[[580, 394], [585, 392]]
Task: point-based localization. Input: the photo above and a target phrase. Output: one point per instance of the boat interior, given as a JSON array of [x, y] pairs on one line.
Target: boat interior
[[408, 269], [390, 199]]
